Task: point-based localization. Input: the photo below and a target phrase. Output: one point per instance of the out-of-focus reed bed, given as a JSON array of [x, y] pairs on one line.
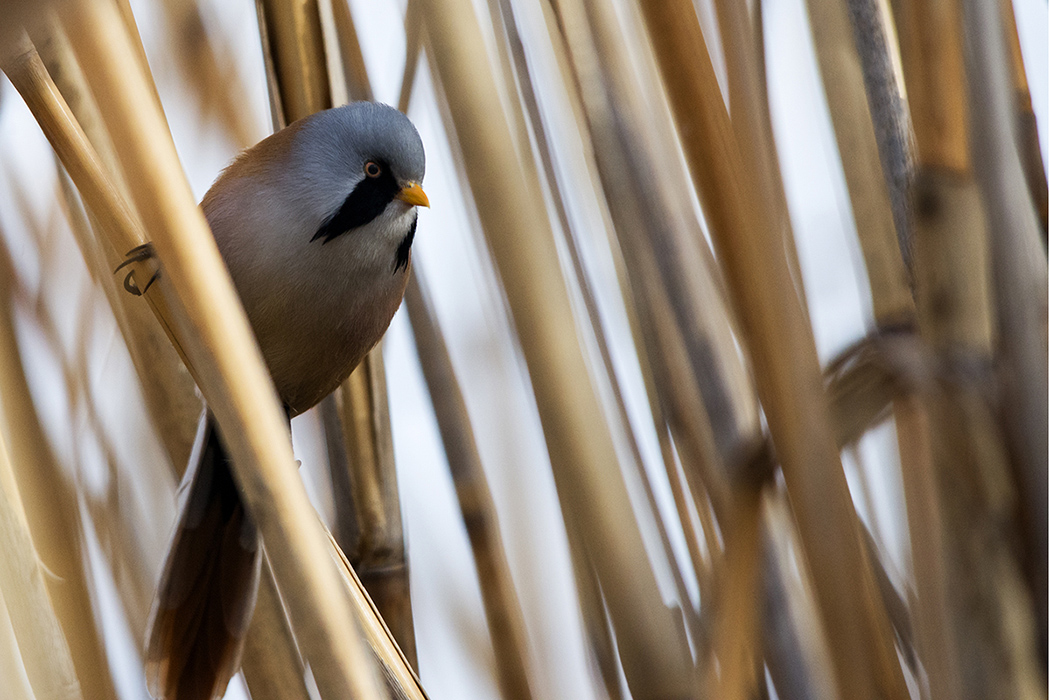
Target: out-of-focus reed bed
[[621, 175]]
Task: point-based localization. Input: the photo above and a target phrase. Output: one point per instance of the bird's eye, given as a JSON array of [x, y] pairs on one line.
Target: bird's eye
[[372, 169]]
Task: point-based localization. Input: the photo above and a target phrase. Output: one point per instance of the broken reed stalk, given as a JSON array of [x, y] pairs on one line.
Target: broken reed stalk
[[1019, 275], [954, 299], [593, 495], [230, 372], [502, 609], [375, 539], [41, 643], [780, 345]]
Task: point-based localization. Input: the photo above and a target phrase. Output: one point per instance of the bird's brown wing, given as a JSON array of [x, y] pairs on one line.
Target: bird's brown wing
[[207, 592]]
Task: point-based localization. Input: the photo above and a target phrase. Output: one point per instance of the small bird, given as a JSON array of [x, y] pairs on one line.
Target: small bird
[[315, 224]]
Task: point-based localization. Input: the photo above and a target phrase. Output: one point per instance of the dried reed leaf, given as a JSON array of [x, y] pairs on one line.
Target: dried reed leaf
[[232, 375], [399, 674], [593, 495]]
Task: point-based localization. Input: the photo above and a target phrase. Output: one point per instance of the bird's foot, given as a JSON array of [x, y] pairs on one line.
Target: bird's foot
[[137, 254]]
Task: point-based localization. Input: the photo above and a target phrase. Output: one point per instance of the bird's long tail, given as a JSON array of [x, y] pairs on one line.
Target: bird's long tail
[[207, 592]]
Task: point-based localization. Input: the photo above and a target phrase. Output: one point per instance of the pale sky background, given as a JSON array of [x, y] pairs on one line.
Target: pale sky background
[[455, 656]]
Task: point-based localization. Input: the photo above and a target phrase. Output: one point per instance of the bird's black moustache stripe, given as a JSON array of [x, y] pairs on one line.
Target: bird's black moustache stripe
[[365, 203], [405, 248]]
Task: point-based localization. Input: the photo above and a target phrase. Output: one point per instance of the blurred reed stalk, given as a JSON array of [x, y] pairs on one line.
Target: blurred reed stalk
[[41, 644], [725, 162], [51, 502], [1026, 129], [1019, 277], [368, 511], [231, 373], [594, 499], [954, 294], [502, 610]]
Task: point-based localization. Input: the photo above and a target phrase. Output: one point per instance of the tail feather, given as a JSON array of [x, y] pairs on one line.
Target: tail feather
[[207, 591]]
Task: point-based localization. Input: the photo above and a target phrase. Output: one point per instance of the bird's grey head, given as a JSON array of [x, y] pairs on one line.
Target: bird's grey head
[[357, 160]]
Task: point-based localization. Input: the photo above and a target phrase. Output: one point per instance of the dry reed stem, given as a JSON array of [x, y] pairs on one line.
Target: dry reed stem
[[1026, 125], [517, 67], [118, 536], [876, 41], [1019, 270], [742, 38], [413, 49], [169, 391], [782, 350], [736, 642], [232, 375], [592, 492], [353, 61], [926, 525], [800, 662], [369, 510], [367, 507], [843, 77], [502, 609], [952, 269], [271, 664], [101, 194], [40, 641], [296, 44]]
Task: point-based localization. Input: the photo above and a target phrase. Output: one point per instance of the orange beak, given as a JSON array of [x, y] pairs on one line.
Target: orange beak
[[413, 194]]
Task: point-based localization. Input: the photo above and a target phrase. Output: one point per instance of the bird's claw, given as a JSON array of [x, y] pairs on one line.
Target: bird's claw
[[137, 254]]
